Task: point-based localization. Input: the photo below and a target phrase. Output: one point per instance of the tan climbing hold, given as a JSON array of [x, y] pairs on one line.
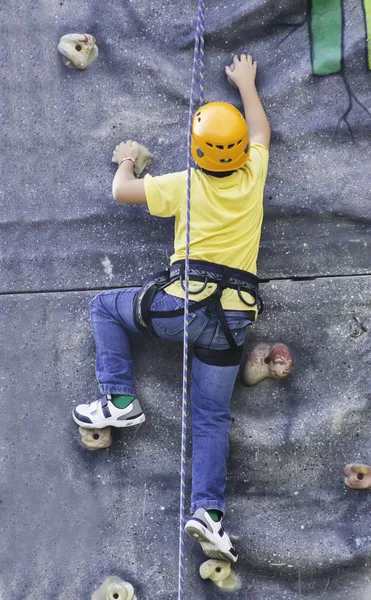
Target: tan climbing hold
[[267, 361], [96, 439], [358, 477], [114, 589], [143, 160], [79, 50], [220, 573]]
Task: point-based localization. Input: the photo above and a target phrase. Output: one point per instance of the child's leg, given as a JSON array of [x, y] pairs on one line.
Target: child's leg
[[211, 393], [112, 321]]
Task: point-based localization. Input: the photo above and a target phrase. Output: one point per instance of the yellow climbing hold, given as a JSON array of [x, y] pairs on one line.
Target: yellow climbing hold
[[143, 160], [114, 589], [220, 572], [79, 50], [216, 570]]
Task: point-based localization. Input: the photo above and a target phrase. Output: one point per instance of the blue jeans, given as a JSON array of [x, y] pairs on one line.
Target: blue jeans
[[211, 387]]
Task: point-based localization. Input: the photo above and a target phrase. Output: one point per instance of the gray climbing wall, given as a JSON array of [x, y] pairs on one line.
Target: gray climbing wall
[[71, 518]]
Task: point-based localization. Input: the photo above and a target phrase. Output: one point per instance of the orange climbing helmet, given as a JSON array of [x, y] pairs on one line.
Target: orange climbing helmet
[[220, 137]]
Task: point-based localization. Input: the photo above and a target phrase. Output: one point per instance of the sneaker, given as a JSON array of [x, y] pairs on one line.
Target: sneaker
[[210, 534], [103, 413]]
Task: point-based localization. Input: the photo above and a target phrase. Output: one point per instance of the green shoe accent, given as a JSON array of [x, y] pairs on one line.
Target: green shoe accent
[[216, 515], [121, 400]]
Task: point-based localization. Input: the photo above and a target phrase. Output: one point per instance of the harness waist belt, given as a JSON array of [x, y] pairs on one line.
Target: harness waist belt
[[212, 272]]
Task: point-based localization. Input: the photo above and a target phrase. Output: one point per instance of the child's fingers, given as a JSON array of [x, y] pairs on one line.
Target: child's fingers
[[249, 59], [243, 57], [228, 71], [236, 59]]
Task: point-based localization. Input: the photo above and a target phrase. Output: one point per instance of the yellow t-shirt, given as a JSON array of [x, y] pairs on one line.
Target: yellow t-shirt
[[226, 219]]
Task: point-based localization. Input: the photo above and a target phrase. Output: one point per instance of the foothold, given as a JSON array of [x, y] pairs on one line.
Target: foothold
[[357, 327], [229, 79], [79, 50], [216, 570], [221, 574], [358, 477], [267, 361], [114, 589], [96, 439], [143, 160]]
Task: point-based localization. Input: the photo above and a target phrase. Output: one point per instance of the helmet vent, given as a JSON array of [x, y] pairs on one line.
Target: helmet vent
[[230, 146], [210, 145], [199, 119], [247, 148], [239, 142], [220, 147], [200, 154], [225, 160]]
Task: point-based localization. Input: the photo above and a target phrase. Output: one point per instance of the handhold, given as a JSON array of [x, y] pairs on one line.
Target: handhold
[[267, 361], [79, 50], [358, 476], [232, 67], [114, 589], [143, 160], [220, 572], [216, 570], [96, 439]]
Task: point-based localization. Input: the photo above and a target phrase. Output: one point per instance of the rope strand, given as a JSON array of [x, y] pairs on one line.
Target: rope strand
[[198, 66]]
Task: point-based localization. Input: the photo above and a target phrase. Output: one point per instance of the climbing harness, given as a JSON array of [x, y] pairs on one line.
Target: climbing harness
[[206, 273]]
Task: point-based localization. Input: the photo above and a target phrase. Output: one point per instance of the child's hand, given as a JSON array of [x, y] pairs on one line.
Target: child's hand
[[127, 149], [244, 73]]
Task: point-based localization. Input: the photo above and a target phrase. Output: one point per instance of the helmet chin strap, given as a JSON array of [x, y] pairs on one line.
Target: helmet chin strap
[[218, 174]]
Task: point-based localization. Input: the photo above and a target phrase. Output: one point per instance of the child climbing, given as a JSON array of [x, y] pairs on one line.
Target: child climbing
[[226, 218]]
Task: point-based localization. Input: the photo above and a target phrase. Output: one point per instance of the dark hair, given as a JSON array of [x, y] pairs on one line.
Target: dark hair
[[218, 173]]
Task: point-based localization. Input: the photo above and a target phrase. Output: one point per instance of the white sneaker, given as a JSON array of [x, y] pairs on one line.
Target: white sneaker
[[103, 413], [210, 534]]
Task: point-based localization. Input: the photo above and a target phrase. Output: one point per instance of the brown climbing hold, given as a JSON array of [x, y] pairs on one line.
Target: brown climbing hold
[[79, 50], [96, 439], [220, 572], [114, 589], [267, 361], [358, 477]]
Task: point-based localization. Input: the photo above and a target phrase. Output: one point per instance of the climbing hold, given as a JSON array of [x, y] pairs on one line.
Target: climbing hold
[[96, 439], [143, 160], [114, 589], [79, 50], [220, 572], [357, 327], [267, 361], [358, 476], [229, 79], [216, 570]]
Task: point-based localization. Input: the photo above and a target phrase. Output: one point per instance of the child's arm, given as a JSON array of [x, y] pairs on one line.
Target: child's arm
[[125, 187], [243, 77]]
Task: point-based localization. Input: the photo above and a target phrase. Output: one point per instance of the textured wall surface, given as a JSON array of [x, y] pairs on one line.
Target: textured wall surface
[[70, 518]]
